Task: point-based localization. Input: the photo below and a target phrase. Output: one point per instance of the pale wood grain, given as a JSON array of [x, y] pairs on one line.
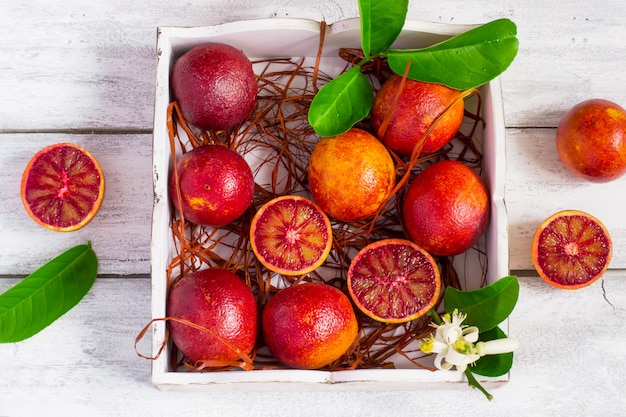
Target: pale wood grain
[[538, 185], [120, 232], [81, 67], [85, 363], [68, 66]]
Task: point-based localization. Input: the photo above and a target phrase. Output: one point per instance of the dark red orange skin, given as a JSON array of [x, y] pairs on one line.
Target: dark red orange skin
[[216, 185], [215, 86], [220, 301], [591, 140], [446, 208], [417, 107], [308, 326]]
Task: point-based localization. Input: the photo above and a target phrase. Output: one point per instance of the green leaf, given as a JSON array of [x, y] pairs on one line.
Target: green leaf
[[381, 23], [493, 365], [341, 103], [465, 61], [485, 307], [47, 294]]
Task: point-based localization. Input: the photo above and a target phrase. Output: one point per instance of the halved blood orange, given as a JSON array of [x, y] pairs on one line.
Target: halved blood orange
[[291, 235], [62, 187], [394, 281], [571, 249]]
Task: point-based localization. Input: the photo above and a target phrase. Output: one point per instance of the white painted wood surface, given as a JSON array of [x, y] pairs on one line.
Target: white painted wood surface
[[85, 72]]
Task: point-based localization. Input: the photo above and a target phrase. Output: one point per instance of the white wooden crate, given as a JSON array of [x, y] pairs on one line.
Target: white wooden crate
[[300, 38]]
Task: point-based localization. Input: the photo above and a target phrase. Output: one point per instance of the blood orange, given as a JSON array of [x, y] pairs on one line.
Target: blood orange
[[591, 140], [446, 208], [351, 175], [308, 326], [214, 85], [571, 249], [412, 113], [223, 306], [394, 281], [291, 235], [216, 185], [62, 187]]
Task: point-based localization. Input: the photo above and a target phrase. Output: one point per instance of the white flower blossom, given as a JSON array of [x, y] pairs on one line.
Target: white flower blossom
[[457, 345]]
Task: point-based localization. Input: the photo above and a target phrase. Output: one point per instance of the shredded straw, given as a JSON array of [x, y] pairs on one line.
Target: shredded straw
[[277, 141]]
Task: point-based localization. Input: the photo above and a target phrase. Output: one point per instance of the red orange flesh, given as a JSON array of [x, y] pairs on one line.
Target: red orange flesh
[[394, 281], [291, 235], [571, 249], [62, 187]]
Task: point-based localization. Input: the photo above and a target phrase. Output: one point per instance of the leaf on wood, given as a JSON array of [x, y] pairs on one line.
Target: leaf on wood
[[46, 294]]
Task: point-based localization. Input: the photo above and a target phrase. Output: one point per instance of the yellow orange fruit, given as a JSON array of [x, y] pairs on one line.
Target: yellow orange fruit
[[414, 111], [308, 326], [571, 249], [351, 175], [446, 208], [62, 187], [591, 140]]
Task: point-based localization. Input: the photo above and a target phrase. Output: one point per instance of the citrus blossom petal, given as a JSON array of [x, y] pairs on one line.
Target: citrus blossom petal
[[470, 334], [494, 347]]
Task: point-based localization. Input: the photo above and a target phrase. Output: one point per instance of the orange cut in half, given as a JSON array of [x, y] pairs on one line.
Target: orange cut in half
[[571, 249], [394, 281], [62, 187], [291, 235]]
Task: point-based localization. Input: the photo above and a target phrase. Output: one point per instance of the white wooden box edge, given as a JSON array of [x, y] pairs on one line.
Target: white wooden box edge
[[304, 36]]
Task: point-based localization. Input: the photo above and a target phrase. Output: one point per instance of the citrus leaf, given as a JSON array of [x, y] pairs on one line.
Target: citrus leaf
[[47, 294], [464, 61], [381, 23], [485, 307], [493, 365], [341, 103]]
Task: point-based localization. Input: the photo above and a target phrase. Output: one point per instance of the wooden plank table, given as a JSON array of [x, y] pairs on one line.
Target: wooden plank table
[[85, 73]]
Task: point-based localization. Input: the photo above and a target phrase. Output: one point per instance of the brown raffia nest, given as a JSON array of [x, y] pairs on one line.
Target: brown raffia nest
[[279, 131]]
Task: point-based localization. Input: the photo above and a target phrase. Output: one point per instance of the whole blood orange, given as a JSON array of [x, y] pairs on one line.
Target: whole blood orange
[[291, 235], [394, 281], [571, 249], [62, 187], [411, 115], [351, 175], [446, 208], [591, 140], [224, 308], [214, 85], [216, 185], [308, 326]]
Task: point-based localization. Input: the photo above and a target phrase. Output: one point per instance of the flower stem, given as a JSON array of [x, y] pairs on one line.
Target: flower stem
[[432, 313], [473, 382]]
